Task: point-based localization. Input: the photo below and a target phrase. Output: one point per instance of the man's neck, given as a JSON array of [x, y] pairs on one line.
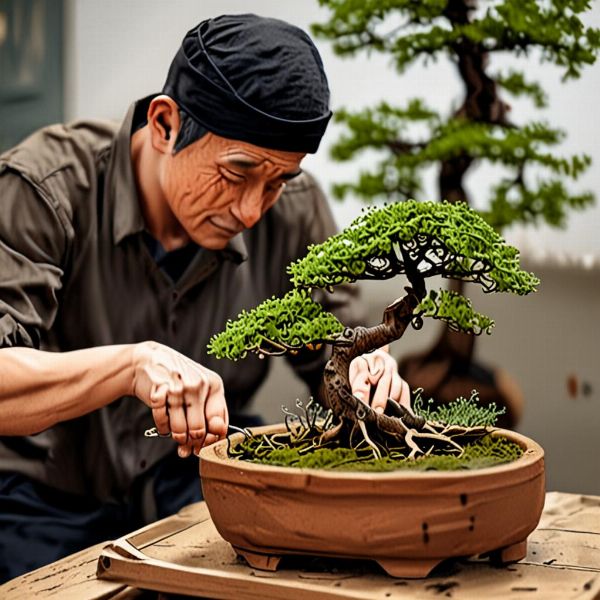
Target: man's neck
[[158, 217]]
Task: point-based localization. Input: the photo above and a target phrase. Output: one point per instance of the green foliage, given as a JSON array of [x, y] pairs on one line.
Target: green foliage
[[486, 452], [513, 201], [466, 412], [427, 238], [456, 310], [409, 31], [553, 26], [515, 83], [379, 127], [397, 176], [275, 326], [430, 27]]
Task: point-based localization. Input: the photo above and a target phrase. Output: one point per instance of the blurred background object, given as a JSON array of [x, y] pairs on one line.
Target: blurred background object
[[31, 67], [90, 59]]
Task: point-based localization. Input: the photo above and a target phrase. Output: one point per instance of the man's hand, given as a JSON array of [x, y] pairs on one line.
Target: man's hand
[[378, 369], [187, 399]]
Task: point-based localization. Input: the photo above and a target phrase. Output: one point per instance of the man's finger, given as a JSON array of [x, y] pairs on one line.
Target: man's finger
[[358, 376], [382, 392], [376, 365], [215, 409], [405, 394], [195, 400], [396, 387], [184, 450], [197, 446], [217, 426], [177, 418], [208, 440], [211, 438], [361, 388], [158, 399]]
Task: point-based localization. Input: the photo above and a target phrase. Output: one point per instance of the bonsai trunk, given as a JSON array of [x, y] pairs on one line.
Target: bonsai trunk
[[398, 425], [358, 341]]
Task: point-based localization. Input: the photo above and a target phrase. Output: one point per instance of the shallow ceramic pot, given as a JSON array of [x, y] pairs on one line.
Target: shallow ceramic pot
[[406, 521]]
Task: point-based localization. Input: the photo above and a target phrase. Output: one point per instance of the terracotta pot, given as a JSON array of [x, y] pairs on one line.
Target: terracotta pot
[[407, 521]]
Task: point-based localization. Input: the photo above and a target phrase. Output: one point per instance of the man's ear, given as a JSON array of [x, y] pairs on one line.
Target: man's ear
[[163, 121]]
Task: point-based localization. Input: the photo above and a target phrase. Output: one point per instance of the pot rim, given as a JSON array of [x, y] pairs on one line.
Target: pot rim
[[532, 454]]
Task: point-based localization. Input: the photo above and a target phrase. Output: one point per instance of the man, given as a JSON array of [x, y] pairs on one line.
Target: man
[[121, 253]]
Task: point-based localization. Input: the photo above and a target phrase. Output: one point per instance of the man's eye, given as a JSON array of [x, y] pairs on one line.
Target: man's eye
[[231, 175]]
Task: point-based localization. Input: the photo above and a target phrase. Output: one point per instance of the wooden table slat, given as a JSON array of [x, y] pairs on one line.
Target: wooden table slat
[[185, 554]]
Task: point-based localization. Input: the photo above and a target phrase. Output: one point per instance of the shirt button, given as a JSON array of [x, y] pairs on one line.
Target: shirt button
[[142, 464], [175, 296]]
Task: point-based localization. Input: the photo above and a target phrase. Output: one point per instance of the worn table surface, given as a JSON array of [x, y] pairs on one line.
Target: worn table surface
[[184, 553]]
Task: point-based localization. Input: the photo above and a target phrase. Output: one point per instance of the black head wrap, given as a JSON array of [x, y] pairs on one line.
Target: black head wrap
[[253, 79]]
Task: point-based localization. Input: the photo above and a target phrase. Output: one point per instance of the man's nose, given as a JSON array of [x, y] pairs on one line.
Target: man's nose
[[250, 206]]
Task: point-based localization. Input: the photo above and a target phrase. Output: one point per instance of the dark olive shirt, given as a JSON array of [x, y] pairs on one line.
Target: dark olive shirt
[[76, 271]]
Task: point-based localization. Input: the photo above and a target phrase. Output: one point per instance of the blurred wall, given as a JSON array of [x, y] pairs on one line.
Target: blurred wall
[[119, 50]]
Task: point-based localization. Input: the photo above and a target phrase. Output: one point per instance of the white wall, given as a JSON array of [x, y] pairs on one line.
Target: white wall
[[120, 50]]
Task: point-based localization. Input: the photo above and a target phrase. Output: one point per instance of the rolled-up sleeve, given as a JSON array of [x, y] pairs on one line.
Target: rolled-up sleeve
[[32, 249]]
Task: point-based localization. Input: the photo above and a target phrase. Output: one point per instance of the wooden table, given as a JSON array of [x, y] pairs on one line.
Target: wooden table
[[185, 554]]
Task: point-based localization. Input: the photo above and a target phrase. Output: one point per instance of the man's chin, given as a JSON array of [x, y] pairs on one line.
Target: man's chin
[[213, 242], [212, 237]]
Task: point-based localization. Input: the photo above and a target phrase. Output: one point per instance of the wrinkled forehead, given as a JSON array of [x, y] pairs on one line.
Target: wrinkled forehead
[[248, 156]]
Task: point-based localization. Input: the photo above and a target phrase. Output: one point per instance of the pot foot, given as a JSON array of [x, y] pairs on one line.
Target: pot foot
[[263, 562], [509, 554], [408, 568]]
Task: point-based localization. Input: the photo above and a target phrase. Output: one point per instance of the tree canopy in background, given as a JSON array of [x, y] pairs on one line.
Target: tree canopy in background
[[469, 33]]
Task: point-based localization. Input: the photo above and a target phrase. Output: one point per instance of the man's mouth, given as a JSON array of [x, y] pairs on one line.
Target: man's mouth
[[230, 230]]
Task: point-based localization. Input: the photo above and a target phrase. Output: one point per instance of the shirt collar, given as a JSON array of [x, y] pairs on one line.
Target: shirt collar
[[236, 250], [121, 190]]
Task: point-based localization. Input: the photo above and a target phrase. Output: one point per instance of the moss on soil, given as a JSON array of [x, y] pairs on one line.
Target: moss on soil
[[486, 452]]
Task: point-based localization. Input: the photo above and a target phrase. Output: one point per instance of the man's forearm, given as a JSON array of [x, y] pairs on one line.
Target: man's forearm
[[39, 389]]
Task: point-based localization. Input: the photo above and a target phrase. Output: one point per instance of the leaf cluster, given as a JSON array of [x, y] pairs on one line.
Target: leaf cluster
[[466, 412], [455, 310], [275, 326], [419, 239]]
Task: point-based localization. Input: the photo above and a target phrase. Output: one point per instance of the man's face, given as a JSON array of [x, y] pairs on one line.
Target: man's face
[[218, 187]]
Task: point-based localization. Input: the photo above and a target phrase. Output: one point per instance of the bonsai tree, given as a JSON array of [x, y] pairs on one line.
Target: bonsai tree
[[419, 240], [480, 128]]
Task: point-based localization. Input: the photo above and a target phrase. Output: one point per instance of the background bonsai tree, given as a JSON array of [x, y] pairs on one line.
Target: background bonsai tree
[[420, 240], [531, 188]]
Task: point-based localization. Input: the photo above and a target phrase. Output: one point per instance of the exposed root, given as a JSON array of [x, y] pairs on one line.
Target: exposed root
[[404, 429], [369, 441], [397, 435], [437, 437], [414, 449], [331, 434]]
